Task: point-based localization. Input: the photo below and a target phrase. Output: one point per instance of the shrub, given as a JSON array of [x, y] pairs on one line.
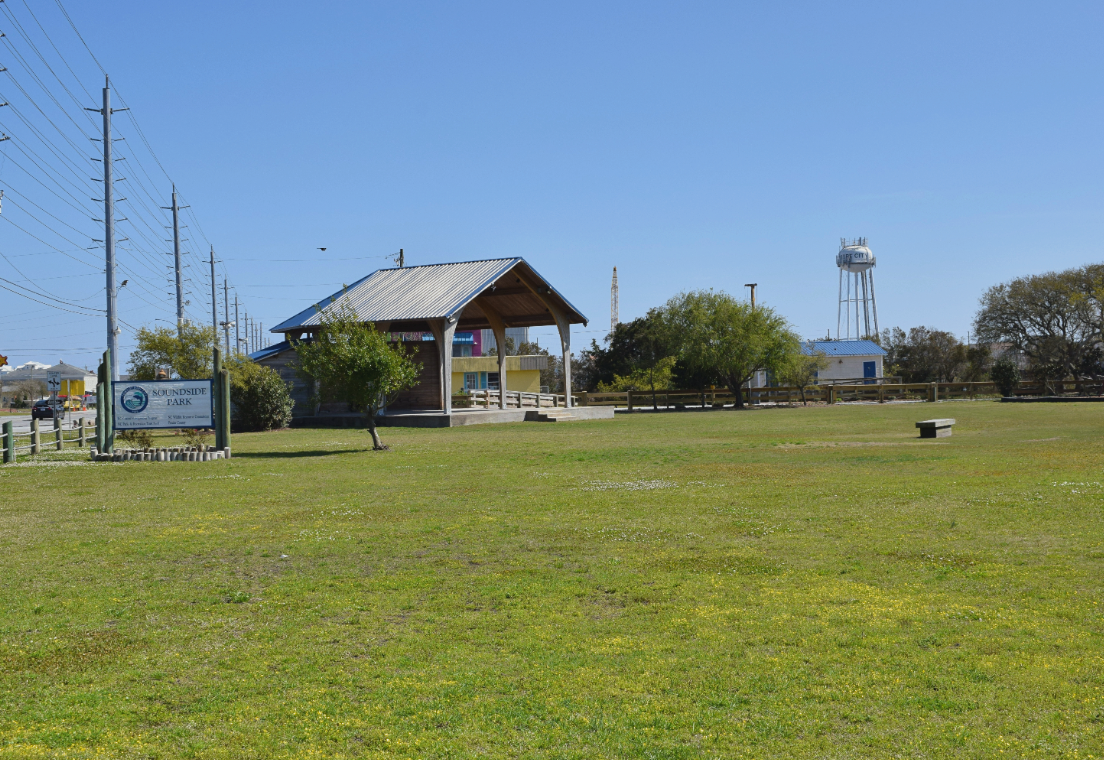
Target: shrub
[[1005, 375], [196, 436], [136, 439], [262, 400]]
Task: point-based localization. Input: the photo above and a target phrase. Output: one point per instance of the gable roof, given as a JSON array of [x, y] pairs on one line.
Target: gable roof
[[69, 372], [38, 370], [842, 348], [417, 294]]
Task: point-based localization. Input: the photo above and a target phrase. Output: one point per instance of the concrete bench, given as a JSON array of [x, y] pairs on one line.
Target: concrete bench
[[935, 428]]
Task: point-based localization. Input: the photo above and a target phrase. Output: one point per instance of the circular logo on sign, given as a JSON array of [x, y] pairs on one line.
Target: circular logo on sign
[[134, 399]]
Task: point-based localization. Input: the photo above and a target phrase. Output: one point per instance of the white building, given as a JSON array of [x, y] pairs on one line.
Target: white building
[[848, 360]]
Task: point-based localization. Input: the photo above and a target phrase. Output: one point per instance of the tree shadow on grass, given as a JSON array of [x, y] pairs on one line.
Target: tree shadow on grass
[[296, 454]]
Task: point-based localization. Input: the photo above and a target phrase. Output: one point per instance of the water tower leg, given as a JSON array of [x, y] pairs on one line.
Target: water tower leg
[[839, 305], [874, 302]]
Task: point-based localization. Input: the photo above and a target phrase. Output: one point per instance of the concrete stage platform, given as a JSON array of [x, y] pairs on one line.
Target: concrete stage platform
[[460, 417]]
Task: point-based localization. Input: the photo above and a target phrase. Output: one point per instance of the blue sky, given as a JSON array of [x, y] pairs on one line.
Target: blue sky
[[692, 146]]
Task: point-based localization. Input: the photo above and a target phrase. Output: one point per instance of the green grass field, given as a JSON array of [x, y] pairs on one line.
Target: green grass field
[[774, 583]]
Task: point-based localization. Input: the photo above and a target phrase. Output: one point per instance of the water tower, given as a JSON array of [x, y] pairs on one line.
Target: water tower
[[856, 291]]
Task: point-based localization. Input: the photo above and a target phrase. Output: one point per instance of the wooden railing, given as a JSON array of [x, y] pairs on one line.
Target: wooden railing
[[37, 439], [489, 399]]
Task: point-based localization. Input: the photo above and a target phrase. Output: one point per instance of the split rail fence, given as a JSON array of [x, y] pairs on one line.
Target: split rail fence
[[37, 440], [679, 399]]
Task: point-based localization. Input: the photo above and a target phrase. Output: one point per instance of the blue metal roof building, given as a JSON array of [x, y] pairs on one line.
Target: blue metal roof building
[[832, 348]]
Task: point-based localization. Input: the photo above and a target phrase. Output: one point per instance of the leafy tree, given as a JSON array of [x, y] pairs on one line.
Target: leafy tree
[[584, 370], [262, 400], [1054, 319], [718, 334], [1005, 375], [656, 377], [979, 361], [694, 375], [636, 349], [802, 369], [187, 355], [923, 355], [355, 363], [1048, 373]]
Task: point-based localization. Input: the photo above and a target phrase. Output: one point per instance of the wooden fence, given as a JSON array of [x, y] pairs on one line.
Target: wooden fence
[[829, 394], [36, 439]]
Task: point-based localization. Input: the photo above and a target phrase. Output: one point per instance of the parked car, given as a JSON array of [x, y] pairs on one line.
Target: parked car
[[45, 409]]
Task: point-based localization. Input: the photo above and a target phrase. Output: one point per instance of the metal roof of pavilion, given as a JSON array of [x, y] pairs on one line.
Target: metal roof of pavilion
[[409, 297], [842, 348]]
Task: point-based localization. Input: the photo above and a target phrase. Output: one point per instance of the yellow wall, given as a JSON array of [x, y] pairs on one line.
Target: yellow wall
[[517, 379], [73, 388]]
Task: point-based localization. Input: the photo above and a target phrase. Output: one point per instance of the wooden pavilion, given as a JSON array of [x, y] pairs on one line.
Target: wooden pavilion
[[442, 299]]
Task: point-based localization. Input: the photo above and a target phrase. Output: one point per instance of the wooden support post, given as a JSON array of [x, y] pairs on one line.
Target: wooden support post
[[224, 409], [80, 434], [9, 443], [628, 400], [34, 438], [831, 394], [443, 331], [933, 394], [562, 325], [881, 394], [498, 327], [100, 401], [108, 406], [57, 431], [216, 396]]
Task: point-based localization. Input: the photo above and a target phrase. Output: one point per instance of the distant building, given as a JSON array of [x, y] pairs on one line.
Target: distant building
[[476, 373], [518, 335], [75, 381], [848, 360]]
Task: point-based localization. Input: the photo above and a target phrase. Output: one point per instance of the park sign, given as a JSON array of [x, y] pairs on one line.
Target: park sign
[[142, 404]]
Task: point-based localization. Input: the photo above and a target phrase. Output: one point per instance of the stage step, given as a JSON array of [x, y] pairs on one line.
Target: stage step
[[555, 415]]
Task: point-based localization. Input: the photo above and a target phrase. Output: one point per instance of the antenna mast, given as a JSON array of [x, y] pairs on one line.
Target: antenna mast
[[614, 321]]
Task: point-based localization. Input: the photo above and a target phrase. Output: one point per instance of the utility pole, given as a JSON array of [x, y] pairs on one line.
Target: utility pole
[[109, 231], [402, 260], [176, 263], [226, 309], [237, 332], [260, 336], [752, 285], [214, 296]]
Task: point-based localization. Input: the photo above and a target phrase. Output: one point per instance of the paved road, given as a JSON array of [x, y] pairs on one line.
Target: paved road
[[22, 423]]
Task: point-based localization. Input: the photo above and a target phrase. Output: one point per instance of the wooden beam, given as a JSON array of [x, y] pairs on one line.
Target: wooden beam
[[499, 327], [562, 324]]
